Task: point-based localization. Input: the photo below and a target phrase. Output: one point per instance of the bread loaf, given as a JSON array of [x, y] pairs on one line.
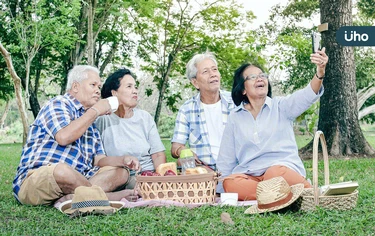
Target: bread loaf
[[196, 170], [162, 168]]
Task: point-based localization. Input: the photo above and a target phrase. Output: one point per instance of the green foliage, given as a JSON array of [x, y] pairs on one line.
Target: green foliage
[[180, 29], [301, 9], [367, 7], [310, 118], [166, 125]]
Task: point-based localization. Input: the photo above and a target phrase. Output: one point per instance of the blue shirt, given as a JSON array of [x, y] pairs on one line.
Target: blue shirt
[[191, 125], [251, 145], [42, 149]]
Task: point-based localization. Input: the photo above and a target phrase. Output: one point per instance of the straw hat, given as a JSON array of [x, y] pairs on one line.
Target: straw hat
[[275, 194], [90, 200]]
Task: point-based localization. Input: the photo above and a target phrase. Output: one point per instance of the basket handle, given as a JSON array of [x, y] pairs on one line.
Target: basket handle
[[319, 136]]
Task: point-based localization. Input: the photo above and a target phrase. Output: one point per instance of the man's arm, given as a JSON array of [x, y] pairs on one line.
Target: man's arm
[[78, 127], [176, 149]]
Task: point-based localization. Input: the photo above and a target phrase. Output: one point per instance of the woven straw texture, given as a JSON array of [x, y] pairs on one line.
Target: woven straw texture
[[311, 196], [187, 189]]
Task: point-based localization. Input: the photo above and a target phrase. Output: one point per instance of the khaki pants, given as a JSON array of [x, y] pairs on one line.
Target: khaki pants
[[40, 187], [246, 185]]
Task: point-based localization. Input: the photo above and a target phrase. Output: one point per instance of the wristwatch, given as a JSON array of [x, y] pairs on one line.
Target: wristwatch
[[321, 78]]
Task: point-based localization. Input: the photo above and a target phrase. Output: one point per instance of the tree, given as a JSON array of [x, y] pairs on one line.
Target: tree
[[338, 115], [336, 105], [179, 29], [17, 88]]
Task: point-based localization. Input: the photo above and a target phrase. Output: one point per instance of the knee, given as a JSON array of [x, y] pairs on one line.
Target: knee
[[124, 173], [275, 171], [64, 172]]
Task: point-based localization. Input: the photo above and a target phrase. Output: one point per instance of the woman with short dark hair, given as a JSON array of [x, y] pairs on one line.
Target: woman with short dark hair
[[258, 141], [129, 130]]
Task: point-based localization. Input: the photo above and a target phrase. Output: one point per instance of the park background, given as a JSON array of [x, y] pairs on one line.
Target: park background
[[155, 39]]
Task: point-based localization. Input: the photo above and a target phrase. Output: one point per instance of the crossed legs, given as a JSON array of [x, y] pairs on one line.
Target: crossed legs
[[48, 183], [246, 185]]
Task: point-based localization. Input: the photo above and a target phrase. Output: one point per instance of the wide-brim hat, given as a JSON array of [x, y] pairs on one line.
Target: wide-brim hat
[[275, 194], [90, 200]]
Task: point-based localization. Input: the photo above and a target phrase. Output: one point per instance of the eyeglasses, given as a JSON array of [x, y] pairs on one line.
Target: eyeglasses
[[253, 77]]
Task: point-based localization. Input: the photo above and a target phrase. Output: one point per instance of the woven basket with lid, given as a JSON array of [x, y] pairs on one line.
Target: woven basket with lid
[[311, 197]]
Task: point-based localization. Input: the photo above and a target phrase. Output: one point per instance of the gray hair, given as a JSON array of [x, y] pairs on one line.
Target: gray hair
[[191, 67], [79, 73]]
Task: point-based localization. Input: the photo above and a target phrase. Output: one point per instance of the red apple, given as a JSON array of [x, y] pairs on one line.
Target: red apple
[[169, 172], [147, 173]]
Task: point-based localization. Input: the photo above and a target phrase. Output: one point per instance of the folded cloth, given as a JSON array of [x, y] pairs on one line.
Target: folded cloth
[[159, 202]]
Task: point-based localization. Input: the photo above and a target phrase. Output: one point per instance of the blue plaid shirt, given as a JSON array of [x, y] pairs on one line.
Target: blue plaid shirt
[[42, 149], [191, 125]]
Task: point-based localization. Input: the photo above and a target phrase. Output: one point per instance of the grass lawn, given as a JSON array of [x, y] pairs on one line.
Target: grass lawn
[[17, 219]]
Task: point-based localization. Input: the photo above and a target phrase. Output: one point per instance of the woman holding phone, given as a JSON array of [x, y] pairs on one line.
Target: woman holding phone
[[258, 141]]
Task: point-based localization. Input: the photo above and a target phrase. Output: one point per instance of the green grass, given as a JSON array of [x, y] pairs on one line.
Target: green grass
[[17, 219]]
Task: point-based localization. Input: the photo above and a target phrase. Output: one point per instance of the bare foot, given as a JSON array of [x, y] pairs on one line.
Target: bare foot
[[65, 198], [117, 196]]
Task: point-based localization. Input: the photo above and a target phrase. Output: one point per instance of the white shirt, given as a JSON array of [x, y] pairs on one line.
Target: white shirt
[[215, 128]]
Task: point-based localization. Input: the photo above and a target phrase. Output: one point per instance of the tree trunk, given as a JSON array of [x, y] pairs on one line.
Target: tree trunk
[[163, 86], [338, 115], [90, 35], [4, 116], [34, 103], [18, 90]]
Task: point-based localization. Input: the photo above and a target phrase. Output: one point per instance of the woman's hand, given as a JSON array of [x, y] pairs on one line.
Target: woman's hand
[[320, 59], [131, 162]]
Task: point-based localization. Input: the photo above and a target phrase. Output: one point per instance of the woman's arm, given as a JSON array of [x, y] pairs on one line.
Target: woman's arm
[[320, 59], [227, 160], [158, 158], [122, 161]]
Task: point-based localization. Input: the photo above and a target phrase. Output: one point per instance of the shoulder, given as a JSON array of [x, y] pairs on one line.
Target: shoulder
[[143, 114], [227, 97], [190, 103]]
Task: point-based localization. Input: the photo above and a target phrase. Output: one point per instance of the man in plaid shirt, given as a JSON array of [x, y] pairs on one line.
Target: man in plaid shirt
[[201, 120], [63, 149]]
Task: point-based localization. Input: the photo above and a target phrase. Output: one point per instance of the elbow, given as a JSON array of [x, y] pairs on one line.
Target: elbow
[[62, 140]]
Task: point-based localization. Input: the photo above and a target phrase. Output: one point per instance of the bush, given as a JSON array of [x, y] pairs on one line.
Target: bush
[[166, 125]]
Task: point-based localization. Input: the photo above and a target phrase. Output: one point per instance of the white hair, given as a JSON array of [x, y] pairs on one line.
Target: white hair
[[79, 73], [191, 67]]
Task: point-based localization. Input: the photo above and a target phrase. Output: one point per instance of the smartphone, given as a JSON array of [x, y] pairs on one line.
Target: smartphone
[[315, 37]]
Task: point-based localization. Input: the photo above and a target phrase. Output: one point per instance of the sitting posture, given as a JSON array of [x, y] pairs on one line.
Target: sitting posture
[[258, 142], [201, 120], [129, 131], [63, 149]]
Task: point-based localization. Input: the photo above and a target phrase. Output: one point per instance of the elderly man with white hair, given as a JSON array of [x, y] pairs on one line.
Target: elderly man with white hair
[[201, 120], [63, 149]]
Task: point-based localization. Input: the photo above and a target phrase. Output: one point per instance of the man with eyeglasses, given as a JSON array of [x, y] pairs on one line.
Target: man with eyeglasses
[[201, 120], [258, 141]]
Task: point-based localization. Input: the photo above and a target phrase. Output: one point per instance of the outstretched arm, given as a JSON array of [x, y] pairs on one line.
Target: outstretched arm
[[320, 59]]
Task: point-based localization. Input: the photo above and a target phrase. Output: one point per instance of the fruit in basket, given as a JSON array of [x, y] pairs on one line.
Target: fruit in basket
[[169, 172], [164, 167], [196, 170], [147, 173]]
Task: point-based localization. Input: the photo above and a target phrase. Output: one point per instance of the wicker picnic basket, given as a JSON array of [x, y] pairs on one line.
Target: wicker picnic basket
[[311, 197], [199, 188]]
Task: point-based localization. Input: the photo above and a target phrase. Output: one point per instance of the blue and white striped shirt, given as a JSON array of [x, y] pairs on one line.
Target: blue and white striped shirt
[[191, 125], [42, 149]]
